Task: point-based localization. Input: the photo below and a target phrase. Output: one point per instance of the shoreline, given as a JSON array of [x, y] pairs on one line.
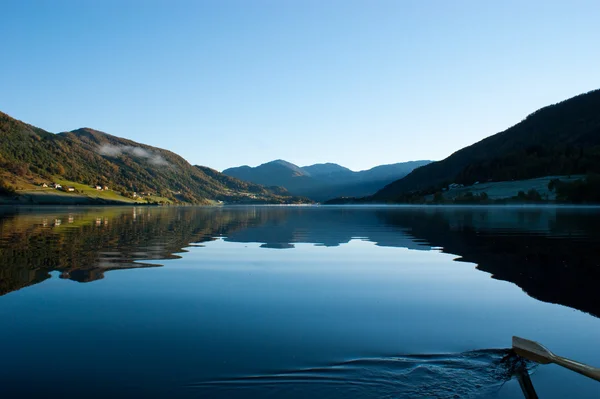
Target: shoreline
[[35, 199], [24, 205]]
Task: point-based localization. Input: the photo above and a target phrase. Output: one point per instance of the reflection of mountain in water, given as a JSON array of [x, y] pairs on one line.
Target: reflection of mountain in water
[[550, 253], [83, 244], [280, 227]]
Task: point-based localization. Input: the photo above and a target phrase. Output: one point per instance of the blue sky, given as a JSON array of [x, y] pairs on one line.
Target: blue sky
[[360, 83]]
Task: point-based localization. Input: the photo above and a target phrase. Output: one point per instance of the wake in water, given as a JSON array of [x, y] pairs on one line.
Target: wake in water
[[464, 375]]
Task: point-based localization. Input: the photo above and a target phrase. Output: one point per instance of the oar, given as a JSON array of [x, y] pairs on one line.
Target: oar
[[533, 351]]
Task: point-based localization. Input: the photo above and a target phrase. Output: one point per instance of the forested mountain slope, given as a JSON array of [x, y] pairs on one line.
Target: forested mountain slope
[[560, 139], [30, 155]]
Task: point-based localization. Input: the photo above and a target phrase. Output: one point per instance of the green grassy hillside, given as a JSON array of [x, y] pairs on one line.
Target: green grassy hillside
[[85, 157]]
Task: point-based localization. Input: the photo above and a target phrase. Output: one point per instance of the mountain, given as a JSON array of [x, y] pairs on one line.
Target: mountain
[[323, 181], [30, 156], [560, 139], [328, 171], [390, 172], [274, 173]]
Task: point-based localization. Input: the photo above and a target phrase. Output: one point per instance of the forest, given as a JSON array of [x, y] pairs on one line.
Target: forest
[[561, 139], [30, 156]]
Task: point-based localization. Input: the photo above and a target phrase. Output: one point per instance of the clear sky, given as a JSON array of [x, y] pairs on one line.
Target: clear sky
[[360, 83]]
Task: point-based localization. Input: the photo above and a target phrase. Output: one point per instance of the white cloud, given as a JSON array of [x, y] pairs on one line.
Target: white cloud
[[139, 152]]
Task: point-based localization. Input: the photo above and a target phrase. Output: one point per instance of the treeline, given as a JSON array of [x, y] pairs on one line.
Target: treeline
[[470, 198], [580, 191]]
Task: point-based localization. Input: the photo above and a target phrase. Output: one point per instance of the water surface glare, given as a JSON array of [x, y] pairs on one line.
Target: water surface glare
[[294, 302]]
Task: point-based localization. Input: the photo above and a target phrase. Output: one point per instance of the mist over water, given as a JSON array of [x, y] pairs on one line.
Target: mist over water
[[295, 301]]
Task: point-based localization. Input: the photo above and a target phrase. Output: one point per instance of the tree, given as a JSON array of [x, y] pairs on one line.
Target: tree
[[6, 189], [534, 195]]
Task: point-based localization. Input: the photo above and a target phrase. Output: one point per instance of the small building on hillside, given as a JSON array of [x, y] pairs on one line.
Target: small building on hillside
[[44, 185], [98, 187], [56, 186], [70, 189], [105, 188]]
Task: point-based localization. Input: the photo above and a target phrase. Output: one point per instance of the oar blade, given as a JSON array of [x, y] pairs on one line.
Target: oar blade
[[531, 350]]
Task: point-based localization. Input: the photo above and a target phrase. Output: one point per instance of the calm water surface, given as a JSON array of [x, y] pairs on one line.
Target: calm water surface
[[295, 302]]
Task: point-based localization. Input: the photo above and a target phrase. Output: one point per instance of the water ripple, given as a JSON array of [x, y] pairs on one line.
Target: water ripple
[[464, 375]]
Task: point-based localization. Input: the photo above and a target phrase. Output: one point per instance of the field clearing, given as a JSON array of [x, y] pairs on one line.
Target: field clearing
[[84, 195], [91, 192], [509, 189], [84, 191]]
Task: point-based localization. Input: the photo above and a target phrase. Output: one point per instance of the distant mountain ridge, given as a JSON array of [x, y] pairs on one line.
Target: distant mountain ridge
[[560, 139], [30, 156], [326, 169], [323, 181]]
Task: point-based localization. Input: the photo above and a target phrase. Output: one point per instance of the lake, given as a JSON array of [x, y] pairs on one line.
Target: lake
[[295, 302]]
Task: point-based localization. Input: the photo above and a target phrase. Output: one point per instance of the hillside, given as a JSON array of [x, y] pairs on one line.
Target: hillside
[[561, 139], [323, 181], [30, 156], [275, 173], [328, 171]]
